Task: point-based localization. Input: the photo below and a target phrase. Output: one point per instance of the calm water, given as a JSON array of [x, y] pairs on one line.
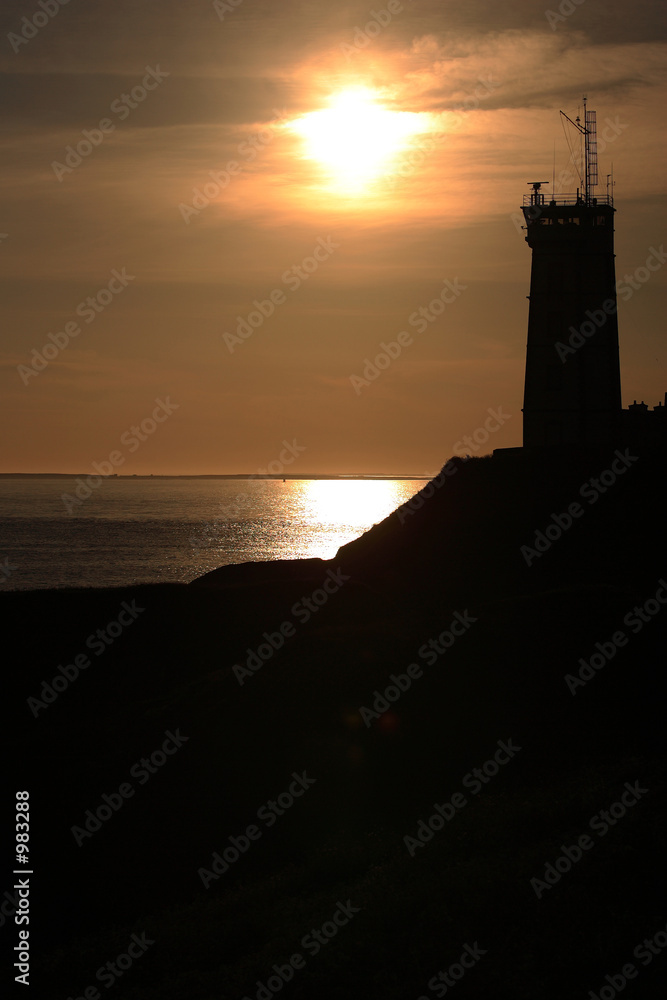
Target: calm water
[[156, 530]]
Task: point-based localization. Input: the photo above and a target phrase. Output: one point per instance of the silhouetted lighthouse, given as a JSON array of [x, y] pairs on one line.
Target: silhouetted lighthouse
[[572, 393]]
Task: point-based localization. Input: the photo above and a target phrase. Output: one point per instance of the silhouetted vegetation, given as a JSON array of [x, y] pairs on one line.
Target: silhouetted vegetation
[[503, 678]]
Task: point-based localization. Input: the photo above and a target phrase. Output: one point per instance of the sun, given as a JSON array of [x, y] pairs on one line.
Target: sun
[[356, 140]]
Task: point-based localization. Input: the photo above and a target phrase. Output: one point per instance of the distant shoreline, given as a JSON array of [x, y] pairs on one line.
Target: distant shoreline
[[237, 475]]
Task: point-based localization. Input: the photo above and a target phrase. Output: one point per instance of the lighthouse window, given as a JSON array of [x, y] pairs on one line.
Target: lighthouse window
[[600, 220]]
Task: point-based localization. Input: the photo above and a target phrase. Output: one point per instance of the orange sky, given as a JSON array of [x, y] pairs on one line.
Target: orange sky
[[166, 100]]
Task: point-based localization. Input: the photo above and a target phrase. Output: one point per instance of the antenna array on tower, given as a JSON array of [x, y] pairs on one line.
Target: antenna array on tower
[[589, 132], [591, 149]]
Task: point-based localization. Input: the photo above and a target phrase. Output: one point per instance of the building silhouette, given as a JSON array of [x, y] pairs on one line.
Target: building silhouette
[[572, 389]]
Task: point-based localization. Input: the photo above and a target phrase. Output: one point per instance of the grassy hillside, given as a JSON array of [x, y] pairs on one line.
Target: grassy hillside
[[453, 555]]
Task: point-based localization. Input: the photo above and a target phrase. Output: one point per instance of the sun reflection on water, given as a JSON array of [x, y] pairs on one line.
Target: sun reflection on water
[[150, 530], [296, 519], [344, 503]]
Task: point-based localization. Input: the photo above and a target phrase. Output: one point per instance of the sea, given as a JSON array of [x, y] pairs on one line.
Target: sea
[[133, 530]]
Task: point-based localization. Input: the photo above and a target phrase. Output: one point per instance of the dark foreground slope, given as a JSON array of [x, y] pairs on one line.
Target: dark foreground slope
[[439, 600]]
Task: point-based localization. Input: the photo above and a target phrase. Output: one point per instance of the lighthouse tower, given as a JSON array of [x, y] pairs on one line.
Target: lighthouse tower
[[572, 392]]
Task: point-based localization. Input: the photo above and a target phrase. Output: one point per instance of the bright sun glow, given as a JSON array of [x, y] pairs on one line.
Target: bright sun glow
[[351, 502], [356, 140]]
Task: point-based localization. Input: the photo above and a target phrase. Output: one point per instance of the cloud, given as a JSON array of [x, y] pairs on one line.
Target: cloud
[[446, 213]]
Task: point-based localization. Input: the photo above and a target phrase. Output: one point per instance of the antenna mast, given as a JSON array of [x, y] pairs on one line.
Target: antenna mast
[[589, 132]]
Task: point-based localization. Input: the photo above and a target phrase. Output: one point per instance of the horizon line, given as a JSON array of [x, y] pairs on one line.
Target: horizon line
[[225, 475]]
